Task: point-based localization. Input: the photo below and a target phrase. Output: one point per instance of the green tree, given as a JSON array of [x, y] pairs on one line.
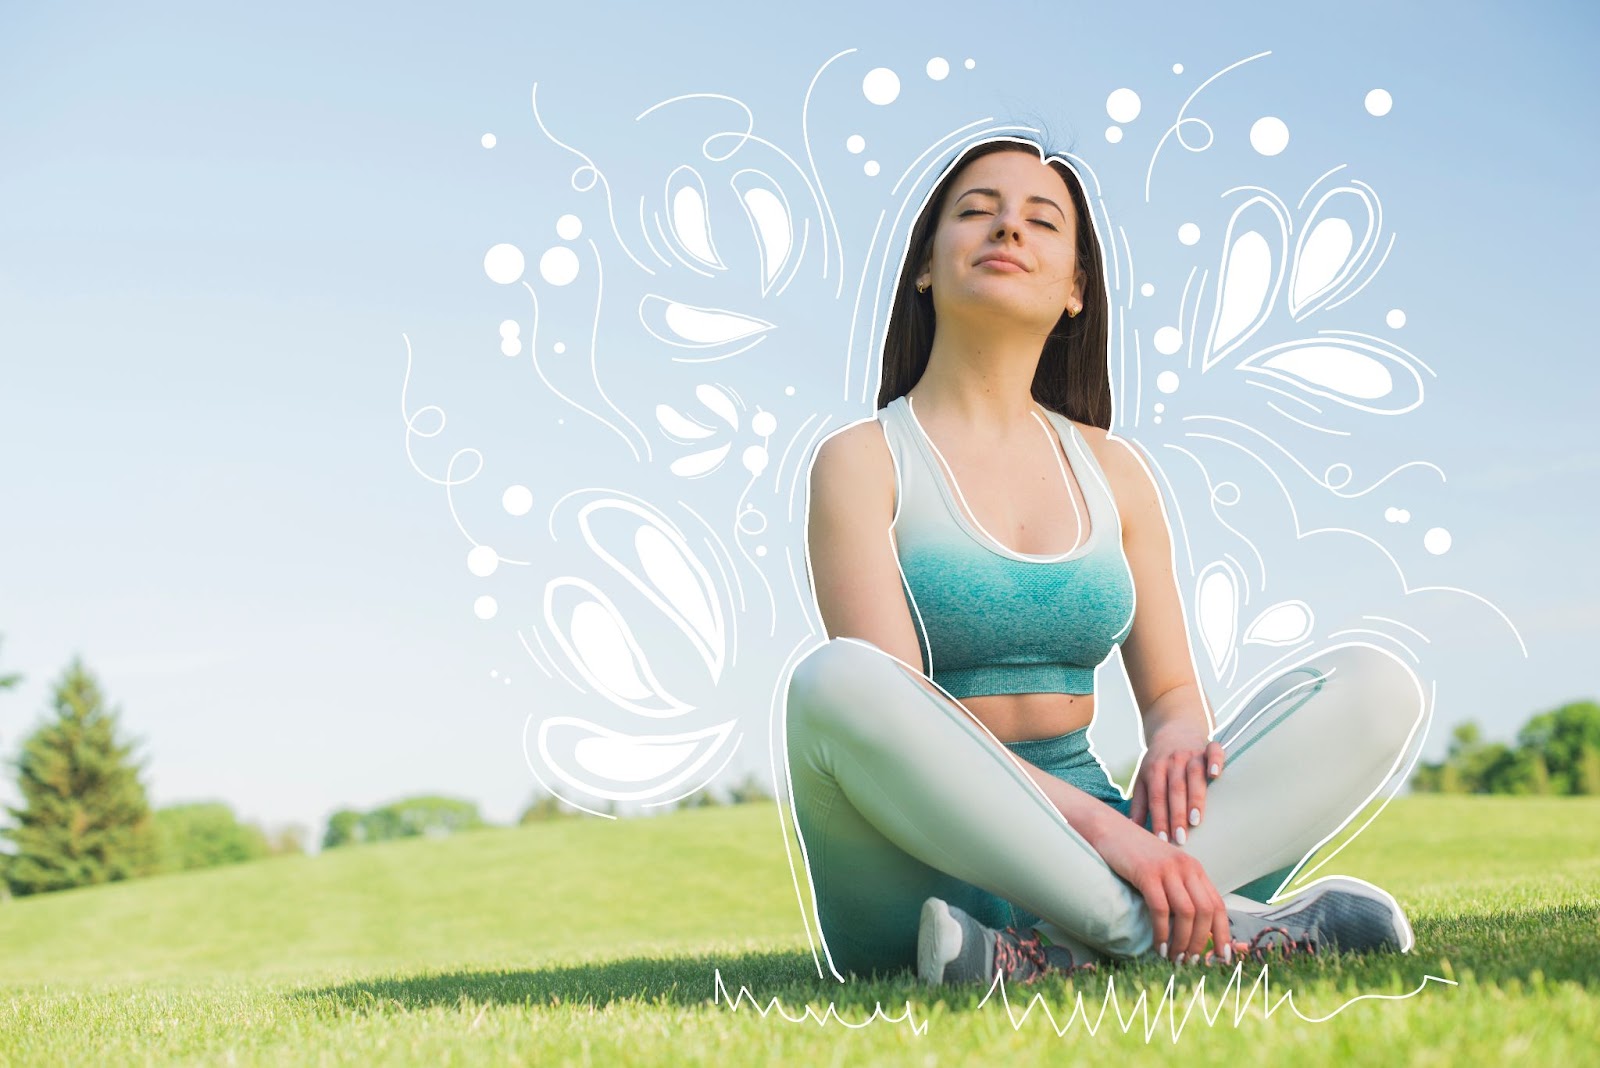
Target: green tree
[[86, 818], [205, 834], [1559, 736], [344, 828], [747, 790], [409, 817]]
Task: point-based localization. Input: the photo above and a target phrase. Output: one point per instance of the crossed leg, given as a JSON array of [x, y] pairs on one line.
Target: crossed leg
[[900, 794]]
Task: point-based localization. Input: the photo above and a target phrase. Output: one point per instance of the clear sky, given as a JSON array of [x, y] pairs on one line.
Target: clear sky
[[221, 227]]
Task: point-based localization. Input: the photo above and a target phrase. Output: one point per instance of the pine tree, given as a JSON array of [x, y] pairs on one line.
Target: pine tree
[[87, 819]]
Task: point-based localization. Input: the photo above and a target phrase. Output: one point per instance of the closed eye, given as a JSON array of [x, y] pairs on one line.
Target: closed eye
[[980, 211]]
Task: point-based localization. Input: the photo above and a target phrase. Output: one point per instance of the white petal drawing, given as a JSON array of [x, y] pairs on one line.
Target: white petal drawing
[[768, 210], [1250, 276], [700, 464], [1217, 609], [600, 644], [674, 579], [718, 401], [689, 326], [688, 216], [679, 426], [626, 767], [1360, 374], [1334, 246], [1285, 623]]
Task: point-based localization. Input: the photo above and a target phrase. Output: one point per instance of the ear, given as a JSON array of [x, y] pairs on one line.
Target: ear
[[1078, 281], [925, 275]]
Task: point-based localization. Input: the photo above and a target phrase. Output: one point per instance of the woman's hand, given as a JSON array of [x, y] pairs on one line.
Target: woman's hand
[[1170, 786], [1185, 908]]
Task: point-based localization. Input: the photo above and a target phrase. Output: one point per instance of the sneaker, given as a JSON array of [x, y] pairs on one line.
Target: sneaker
[[1336, 914], [952, 947]]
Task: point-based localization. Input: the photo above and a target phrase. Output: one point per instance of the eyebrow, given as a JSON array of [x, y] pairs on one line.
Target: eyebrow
[[996, 194]]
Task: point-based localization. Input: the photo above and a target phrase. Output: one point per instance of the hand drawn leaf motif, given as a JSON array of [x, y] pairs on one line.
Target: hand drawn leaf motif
[[1217, 611], [1369, 375], [1249, 278], [687, 326], [601, 646], [770, 218], [688, 215], [608, 759], [1333, 247], [1284, 623]]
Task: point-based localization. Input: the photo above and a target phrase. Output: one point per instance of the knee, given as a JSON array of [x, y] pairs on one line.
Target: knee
[[823, 682], [1382, 695]]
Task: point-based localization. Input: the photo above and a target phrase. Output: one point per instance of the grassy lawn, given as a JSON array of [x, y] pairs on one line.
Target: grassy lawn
[[590, 942]]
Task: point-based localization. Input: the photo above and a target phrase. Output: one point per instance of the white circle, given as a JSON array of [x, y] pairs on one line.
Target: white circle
[[881, 85], [482, 561], [1379, 102], [1167, 381], [1158, 419], [938, 68], [485, 607], [1123, 105], [510, 328], [516, 500], [487, 141], [1269, 135], [761, 550], [969, 64], [511, 346], [1113, 134], [1147, 290], [1396, 318], [788, 391], [1177, 68], [1437, 541], [755, 459], [503, 263], [1160, 407], [1403, 515], [558, 265], [764, 423], [1392, 514], [855, 143], [1169, 339], [568, 227], [559, 347], [1189, 233], [871, 168], [494, 674]]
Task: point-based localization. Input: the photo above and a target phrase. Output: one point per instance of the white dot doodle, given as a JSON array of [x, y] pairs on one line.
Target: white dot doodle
[[494, 673], [788, 391], [487, 140], [510, 328], [1269, 135], [764, 423], [855, 144], [485, 607], [482, 561], [1114, 134], [503, 263], [1177, 68], [1147, 290], [1167, 381], [1392, 514], [559, 347], [871, 168], [1169, 339], [938, 68], [511, 346], [1189, 233], [969, 64], [761, 550], [1396, 318], [881, 85], [1379, 102], [1158, 419], [754, 459], [517, 500], [1123, 105], [1437, 541], [1403, 515], [568, 227], [559, 265], [1160, 407]]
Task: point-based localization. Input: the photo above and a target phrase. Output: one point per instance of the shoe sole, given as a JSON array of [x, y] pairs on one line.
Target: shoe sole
[[1401, 929], [939, 941]]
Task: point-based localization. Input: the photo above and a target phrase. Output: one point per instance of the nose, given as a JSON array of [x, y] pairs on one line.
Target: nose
[[1007, 226]]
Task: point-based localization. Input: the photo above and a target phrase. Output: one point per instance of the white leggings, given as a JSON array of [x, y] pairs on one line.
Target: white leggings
[[900, 794]]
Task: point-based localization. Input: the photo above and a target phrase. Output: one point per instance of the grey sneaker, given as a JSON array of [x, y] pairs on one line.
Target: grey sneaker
[[952, 947], [1337, 913]]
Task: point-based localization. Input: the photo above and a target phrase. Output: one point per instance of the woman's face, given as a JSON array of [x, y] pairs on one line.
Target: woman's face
[[1005, 243]]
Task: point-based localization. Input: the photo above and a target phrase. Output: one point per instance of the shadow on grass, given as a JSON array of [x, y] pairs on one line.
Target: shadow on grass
[[1522, 947]]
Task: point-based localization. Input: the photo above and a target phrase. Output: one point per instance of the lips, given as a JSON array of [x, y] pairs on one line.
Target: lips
[[1000, 261]]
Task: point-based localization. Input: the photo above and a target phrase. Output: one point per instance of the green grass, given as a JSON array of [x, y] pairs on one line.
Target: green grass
[[590, 942]]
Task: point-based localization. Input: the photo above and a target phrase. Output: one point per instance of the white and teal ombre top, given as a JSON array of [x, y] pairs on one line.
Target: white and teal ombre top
[[991, 620]]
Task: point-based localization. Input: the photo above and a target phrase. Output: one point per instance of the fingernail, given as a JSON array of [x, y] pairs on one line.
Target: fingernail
[[1194, 817], [1161, 835], [1162, 952], [1227, 953], [1179, 960], [1216, 769], [1179, 835]]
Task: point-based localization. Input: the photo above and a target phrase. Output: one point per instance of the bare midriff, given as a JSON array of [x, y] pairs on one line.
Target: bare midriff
[[1017, 717]]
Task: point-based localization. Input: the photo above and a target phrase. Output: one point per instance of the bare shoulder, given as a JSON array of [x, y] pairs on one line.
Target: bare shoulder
[[1132, 485], [854, 461]]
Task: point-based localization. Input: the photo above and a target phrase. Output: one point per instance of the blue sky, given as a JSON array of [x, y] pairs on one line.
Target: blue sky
[[220, 228]]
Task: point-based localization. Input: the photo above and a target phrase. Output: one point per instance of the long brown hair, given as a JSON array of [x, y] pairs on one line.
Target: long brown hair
[[1073, 377]]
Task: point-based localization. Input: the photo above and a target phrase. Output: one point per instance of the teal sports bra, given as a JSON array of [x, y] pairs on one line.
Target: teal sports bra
[[991, 620]]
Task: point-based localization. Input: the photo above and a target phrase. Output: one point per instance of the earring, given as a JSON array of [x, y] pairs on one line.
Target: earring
[[922, 287], [1072, 313]]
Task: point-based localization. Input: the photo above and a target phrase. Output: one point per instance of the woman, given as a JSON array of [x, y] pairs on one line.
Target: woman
[[986, 530]]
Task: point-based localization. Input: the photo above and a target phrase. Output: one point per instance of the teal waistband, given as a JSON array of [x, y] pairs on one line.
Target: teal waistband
[[1067, 757]]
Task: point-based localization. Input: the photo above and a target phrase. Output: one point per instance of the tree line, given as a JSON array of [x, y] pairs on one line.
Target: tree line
[[86, 817], [1556, 752]]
